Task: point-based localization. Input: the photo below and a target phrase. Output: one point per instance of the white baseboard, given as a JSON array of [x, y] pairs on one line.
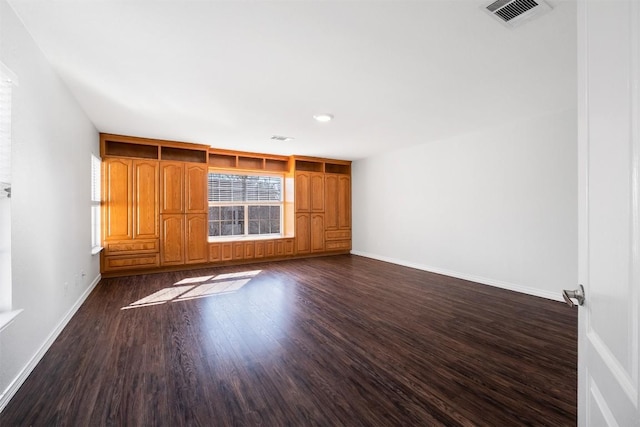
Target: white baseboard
[[11, 390], [555, 296]]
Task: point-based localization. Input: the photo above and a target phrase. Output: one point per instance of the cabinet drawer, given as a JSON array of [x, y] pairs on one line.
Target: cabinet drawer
[[337, 235], [113, 263], [131, 247], [337, 245]]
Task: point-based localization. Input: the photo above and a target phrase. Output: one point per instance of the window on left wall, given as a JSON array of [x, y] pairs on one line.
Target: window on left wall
[[7, 82], [95, 204]]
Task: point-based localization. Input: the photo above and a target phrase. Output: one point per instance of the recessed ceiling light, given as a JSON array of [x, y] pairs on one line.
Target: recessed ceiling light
[[324, 117], [281, 138]]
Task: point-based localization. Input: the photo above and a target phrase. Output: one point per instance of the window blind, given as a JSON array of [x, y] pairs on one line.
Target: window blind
[[5, 132], [95, 178], [244, 188]]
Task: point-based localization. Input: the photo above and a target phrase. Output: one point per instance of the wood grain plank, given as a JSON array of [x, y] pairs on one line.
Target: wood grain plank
[[340, 340]]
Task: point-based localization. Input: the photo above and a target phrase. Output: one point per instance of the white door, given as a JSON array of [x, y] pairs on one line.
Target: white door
[[609, 212]]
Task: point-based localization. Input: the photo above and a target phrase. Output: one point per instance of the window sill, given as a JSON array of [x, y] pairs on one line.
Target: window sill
[[96, 250], [244, 238], [7, 317]]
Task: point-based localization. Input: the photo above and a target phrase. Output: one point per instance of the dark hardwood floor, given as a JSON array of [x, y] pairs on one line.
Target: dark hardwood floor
[[331, 341]]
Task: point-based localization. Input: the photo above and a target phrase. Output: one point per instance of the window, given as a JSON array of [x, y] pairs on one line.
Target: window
[[7, 82], [244, 205], [95, 204]]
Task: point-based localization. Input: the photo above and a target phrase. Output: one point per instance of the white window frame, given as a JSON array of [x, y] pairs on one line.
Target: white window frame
[[8, 81], [246, 205], [96, 204]]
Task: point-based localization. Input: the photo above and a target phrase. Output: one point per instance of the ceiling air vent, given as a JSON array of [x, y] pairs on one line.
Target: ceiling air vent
[[281, 138], [516, 12]]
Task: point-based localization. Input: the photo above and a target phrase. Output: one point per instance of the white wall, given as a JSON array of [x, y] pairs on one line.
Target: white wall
[[498, 206], [51, 241]]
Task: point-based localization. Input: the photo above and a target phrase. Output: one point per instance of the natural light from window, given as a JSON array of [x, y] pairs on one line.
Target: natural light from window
[[197, 287], [244, 205], [7, 81], [95, 204]]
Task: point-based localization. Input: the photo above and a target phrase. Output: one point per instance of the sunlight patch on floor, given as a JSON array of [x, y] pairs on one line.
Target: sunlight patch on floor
[[200, 287]]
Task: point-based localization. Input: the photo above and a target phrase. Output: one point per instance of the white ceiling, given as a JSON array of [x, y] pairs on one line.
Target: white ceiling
[[233, 73]]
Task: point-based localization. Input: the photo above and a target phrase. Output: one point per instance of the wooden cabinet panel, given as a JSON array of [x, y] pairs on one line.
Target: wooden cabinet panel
[[131, 262], [117, 188], [317, 232], [259, 250], [145, 196], [215, 254], [196, 238], [337, 235], [317, 192], [338, 202], [279, 247], [238, 250], [171, 187], [221, 251], [172, 239], [195, 188], [128, 247], [249, 250], [289, 247], [269, 248], [303, 192], [303, 233], [344, 202], [331, 202], [226, 251], [338, 245]]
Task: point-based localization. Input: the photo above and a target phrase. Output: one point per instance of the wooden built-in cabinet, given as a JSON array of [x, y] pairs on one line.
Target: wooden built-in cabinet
[[130, 214], [337, 215], [155, 207], [183, 213], [220, 252], [310, 204], [323, 205]]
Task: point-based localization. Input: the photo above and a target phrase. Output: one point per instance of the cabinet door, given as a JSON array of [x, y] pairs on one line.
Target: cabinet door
[[259, 249], [331, 202], [172, 239], [195, 188], [226, 250], [171, 187], [238, 250], [269, 248], [145, 196], [317, 232], [344, 202], [317, 192], [303, 192], [303, 233], [117, 213], [215, 254], [196, 238], [249, 249]]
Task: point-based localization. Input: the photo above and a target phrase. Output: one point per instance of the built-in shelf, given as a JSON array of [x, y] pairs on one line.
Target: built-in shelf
[[222, 160], [337, 168], [309, 166], [250, 162], [183, 154], [126, 149], [145, 148], [276, 165], [247, 161]]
